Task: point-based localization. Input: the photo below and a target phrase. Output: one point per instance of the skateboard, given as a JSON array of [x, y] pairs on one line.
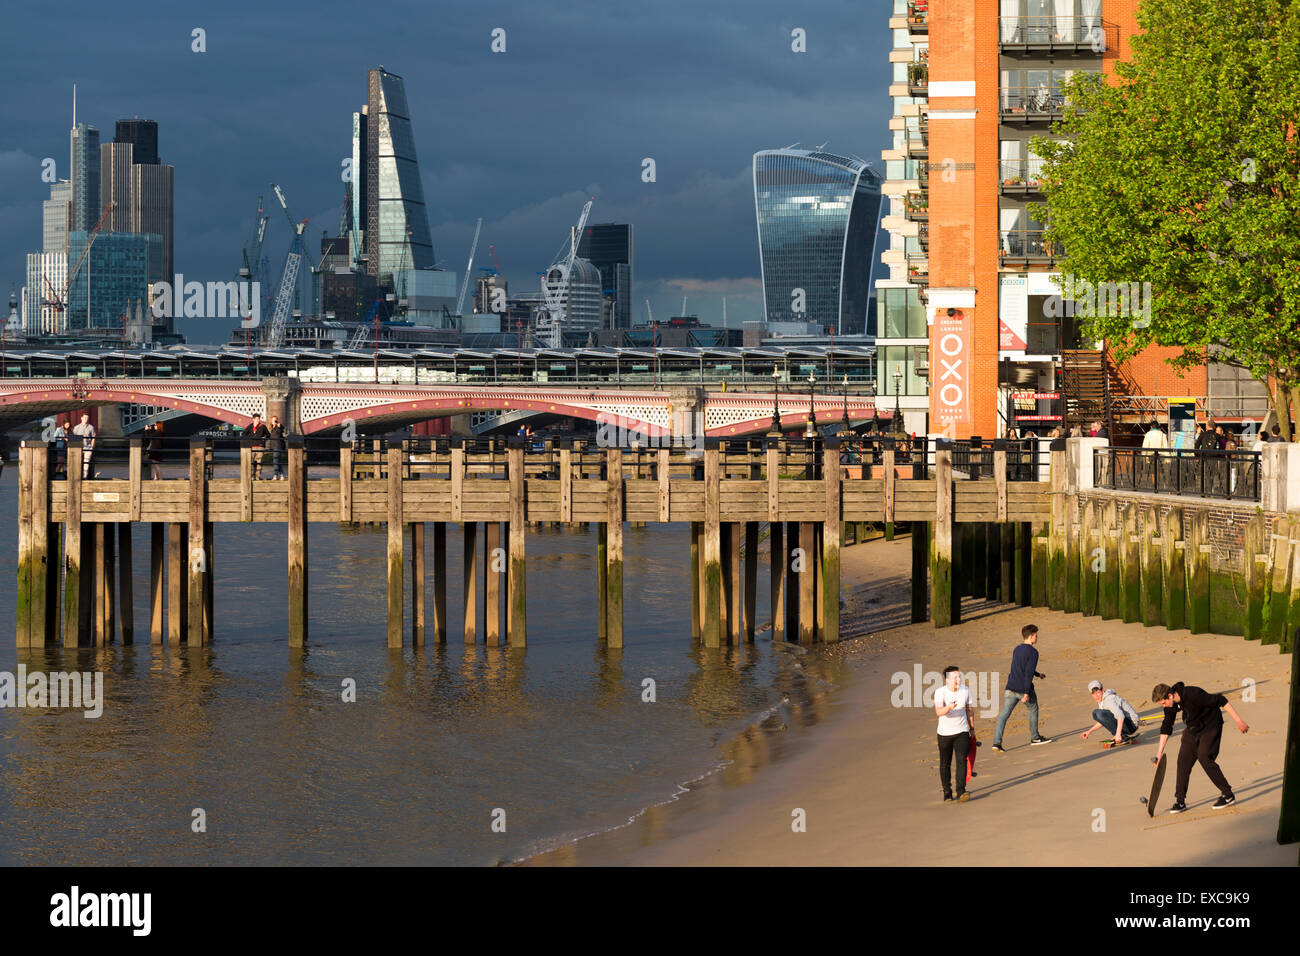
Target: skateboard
[[970, 760], [1155, 786], [1107, 744]]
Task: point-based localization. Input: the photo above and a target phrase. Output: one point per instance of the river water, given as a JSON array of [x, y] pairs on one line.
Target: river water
[[550, 743]]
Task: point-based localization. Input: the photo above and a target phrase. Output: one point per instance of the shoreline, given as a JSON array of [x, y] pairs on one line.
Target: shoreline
[[862, 773]]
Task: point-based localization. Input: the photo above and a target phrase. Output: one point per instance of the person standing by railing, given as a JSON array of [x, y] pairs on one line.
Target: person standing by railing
[[86, 432], [275, 441], [154, 448], [257, 431]]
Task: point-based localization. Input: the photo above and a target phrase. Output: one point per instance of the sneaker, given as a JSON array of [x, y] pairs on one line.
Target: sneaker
[[1225, 800], [998, 748], [947, 798], [963, 797], [1041, 740], [1178, 807]]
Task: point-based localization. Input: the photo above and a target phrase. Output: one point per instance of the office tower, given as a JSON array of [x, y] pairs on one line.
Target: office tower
[[85, 177], [47, 279], [143, 137], [388, 198], [114, 275], [55, 214], [582, 302], [141, 192], [818, 216], [115, 161], [608, 246]]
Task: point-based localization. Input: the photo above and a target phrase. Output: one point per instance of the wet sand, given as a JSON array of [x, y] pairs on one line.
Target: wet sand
[[863, 774]]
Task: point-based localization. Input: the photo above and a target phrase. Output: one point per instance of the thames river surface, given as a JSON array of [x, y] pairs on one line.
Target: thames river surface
[[550, 743]]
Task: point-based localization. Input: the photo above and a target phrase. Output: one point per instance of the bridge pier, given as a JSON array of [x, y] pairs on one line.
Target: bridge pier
[[157, 561], [695, 580], [177, 568], [396, 544], [945, 595], [76, 592], [126, 589], [776, 587], [516, 584], [297, 544], [808, 583], [417, 584], [712, 572], [469, 588], [613, 549], [440, 582], [492, 567], [751, 578]]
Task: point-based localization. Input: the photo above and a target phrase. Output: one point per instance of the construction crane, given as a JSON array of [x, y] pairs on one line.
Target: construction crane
[[464, 286], [555, 287], [274, 335], [250, 271], [359, 336], [650, 312], [57, 301]]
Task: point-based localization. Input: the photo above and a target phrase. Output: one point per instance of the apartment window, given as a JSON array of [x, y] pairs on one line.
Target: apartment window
[[900, 169], [899, 314], [899, 358], [900, 72]]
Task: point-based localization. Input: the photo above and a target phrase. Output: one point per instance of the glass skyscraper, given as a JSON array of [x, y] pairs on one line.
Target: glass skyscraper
[[608, 246], [85, 177], [390, 200], [818, 219], [113, 278]]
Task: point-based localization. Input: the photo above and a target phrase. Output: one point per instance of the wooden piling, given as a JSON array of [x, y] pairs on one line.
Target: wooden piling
[[808, 584], [735, 596], [776, 568], [493, 565], [602, 585], [1198, 574], [298, 615], [1090, 560], [177, 588], [1056, 558], [751, 578], [135, 472], [1024, 563], [945, 606], [516, 585], [345, 483], [1174, 550], [1038, 589], [126, 587], [396, 544], [26, 553], [1007, 562], [157, 562], [1255, 567], [696, 527], [614, 549], [440, 582], [45, 573], [890, 476], [469, 583], [992, 562], [712, 619], [197, 556], [1279, 597], [100, 635], [792, 547], [1108, 586], [110, 582], [417, 584], [1130, 567], [1153, 579], [74, 583], [920, 570], [830, 564]]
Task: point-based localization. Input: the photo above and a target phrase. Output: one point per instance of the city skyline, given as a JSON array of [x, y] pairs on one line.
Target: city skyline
[[699, 117]]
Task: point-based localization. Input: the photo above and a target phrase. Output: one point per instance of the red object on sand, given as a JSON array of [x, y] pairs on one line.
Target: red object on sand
[[970, 759]]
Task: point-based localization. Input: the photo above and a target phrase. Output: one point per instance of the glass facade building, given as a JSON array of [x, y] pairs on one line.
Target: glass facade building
[[818, 219], [608, 246], [393, 213], [85, 177], [113, 278]]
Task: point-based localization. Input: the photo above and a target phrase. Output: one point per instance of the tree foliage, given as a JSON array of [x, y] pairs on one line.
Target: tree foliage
[[1181, 171]]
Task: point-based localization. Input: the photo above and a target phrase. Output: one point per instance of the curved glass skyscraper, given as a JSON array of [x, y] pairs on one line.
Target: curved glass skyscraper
[[818, 218]]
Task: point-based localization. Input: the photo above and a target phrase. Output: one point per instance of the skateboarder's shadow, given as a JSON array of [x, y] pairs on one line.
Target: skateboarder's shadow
[[1246, 792]]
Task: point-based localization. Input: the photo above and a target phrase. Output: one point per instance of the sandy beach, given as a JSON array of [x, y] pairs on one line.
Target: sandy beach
[[862, 772]]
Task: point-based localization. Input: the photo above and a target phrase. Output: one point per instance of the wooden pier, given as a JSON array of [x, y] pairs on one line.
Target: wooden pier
[[804, 492]]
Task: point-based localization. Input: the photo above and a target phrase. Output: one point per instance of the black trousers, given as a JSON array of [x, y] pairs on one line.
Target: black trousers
[[1200, 747], [960, 745]]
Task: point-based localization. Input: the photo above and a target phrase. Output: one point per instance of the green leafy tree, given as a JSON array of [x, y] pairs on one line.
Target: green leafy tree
[[1182, 172]]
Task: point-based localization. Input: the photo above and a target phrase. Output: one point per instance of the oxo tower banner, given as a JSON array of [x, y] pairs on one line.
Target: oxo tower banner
[[950, 372]]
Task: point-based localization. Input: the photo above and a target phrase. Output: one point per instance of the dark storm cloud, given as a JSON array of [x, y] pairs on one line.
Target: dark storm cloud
[[582, 94]]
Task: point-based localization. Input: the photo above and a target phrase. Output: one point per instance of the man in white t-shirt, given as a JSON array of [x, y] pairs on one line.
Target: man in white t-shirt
[[952, 703], [86, 432]]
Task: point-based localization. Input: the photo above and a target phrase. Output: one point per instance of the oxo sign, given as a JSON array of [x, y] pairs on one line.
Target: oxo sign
[[950, 370]]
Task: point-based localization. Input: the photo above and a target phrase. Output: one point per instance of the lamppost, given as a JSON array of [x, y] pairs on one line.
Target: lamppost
[[811, 430], [898, 411], [844, 423], [775, 431]]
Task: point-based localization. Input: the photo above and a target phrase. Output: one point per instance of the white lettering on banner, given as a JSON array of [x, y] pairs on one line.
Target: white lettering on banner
[[952, 332]]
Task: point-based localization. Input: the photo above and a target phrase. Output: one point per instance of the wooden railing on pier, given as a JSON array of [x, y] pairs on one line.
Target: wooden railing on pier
[[807, 491]]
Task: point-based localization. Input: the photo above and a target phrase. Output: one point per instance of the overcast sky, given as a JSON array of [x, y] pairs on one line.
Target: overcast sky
[[583, 93]]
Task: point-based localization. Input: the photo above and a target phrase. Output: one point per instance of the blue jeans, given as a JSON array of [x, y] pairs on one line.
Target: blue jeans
[[1009, 700], [1107, 720]]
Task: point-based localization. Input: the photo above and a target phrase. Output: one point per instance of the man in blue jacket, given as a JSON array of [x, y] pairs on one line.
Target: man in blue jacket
[[1020, 688]]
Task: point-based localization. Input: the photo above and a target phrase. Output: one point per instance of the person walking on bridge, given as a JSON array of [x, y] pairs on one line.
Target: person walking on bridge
[[1020, 688]]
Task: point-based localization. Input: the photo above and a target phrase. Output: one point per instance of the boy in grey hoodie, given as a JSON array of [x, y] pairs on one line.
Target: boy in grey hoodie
[[1113, 712]]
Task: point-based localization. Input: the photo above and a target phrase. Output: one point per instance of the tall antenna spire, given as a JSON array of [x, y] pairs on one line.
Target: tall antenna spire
[[74, 105]]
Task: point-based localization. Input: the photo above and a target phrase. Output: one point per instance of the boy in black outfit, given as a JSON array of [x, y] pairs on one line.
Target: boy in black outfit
[[1202, 733]]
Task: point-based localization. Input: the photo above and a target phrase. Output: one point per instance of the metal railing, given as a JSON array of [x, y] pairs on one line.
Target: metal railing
[[1080, 34], [1026, 244], [1030, 102], [1023, 173], [1231, 475]]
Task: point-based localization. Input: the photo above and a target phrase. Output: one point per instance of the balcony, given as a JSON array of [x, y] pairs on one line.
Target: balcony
[[1023, 247], [923, 235], [916, 207], [1021, 177], [918, 17], [918, 79], [917, 144], [1053, 36], [918, 270], [1026, 105]]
